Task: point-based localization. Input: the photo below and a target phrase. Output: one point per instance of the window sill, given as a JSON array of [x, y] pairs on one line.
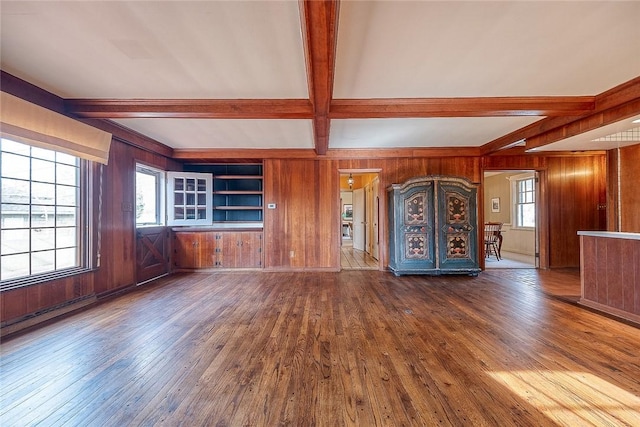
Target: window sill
[[524, 228]]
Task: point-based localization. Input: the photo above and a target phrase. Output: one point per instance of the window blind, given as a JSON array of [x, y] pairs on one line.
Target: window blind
[[40, 127]]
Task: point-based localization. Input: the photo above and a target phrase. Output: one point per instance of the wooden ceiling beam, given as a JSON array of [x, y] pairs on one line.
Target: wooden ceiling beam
[[462, 107], [319, 21], [585, 124], [215, 154], [190, 108], [612, 105]]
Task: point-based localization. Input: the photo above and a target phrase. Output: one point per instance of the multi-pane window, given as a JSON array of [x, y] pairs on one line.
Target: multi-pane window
[[149, 196], [40, 211], [189, 198], [525, 203]]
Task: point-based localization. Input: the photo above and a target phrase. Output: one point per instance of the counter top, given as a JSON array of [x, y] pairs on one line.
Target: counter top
[[222, 226], [610, 234]]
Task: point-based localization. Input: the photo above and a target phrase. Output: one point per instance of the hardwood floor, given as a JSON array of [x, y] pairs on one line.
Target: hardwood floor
[[329, 349]]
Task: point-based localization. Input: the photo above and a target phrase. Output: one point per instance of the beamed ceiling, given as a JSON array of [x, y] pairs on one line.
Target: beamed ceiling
[[350, 78]]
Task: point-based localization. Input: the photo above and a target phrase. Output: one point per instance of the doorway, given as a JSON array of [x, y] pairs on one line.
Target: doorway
[[359, 219], [511, 200]]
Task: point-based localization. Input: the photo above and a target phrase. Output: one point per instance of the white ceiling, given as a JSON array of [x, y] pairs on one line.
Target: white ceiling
[[395, 49], [229, 133], [255, 50], [423, 133], [156, 49]]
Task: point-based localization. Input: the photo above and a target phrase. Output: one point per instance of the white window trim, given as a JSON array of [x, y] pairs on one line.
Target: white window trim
[[513, 179], [161, 194], [171, 204]]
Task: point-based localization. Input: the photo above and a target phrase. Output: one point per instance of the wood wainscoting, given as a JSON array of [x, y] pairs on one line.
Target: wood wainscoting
[[328, 349]]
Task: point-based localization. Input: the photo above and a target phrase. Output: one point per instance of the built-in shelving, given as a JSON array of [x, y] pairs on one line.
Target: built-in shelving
[[237, 194]]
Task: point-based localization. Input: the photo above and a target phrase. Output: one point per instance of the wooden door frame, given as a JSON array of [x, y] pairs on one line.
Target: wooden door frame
[[542, 214], [382, 214]]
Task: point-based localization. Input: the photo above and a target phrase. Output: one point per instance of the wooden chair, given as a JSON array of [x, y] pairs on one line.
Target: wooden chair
[[492, 238]]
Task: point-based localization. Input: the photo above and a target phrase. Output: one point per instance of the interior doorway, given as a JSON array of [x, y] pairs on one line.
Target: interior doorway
[[359, 219], [511, 200]]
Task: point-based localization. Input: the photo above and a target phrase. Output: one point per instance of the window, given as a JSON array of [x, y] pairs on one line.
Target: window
[[149, 196], [525, 203], [42, 214], [190, 198]]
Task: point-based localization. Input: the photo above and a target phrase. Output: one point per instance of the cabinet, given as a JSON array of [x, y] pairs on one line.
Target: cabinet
[[433, 226], [217, 249], [239, 249], [194, 249]]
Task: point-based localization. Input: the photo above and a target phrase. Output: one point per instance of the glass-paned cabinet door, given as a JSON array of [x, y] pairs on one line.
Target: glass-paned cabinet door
[[189, 198]]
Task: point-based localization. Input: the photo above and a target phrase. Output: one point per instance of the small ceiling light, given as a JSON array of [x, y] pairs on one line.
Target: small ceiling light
[[636, 121], [350, 181]]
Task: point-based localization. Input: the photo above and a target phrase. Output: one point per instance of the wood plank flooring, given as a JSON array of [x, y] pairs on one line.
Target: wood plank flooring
[[361, 348], [354, 259]]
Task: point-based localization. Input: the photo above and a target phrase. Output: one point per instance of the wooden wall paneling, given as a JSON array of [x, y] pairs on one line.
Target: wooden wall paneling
[[610, 275], [301, 206], [632, 273], [612, 190], [543, 219], [601, 190], [520, 161], [588, 261], [308, 206], [14, 303], [562, 213], [629, 194], [18, 304], [630, 276], [117, 260], [329, 222], [271, 244], [601, 271], [291, 230], [575, 186], [615, 253]]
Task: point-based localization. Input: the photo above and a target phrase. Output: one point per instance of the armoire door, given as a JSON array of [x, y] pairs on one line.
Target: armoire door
[[457, 222], [415, 229]]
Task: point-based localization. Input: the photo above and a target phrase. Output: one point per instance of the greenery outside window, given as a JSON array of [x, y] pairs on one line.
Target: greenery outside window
[[150, 202], [44, 214]]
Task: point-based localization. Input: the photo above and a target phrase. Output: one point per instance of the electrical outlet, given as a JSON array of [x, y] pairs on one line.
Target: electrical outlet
[[292, 254]]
